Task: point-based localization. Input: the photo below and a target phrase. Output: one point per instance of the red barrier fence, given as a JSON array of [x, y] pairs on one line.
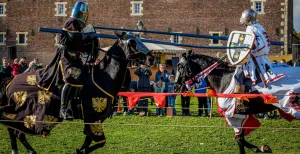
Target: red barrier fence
[[160, 98]]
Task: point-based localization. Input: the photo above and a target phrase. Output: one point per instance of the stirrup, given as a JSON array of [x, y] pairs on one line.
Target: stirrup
[[64, 114], [240, 106]]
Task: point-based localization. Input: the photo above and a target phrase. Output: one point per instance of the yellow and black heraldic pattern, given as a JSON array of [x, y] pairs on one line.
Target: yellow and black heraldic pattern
[[74, 72], [97, 129], [49, 122], [20, 97], [99, 103], [31, 80], [73, 55], [10, 116], [44, 96], [29, 121]]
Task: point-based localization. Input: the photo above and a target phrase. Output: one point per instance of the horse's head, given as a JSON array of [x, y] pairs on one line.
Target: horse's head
[[190, 65], [129, 47]]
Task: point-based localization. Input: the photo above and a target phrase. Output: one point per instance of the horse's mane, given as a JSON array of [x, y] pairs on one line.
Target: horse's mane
[[208, 60], [220, 77]]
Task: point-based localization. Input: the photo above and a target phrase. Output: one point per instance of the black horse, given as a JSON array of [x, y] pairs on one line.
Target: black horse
[[33, 110], [219, 79]]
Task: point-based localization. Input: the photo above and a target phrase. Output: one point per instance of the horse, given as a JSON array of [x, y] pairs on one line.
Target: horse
[[33, 110], [218, 80]]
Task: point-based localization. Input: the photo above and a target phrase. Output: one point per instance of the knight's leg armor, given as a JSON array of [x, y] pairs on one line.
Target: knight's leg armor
[[65, 98]]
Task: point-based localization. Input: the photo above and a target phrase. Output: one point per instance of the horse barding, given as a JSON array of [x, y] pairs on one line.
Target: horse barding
[[34, 110], [219, 76]]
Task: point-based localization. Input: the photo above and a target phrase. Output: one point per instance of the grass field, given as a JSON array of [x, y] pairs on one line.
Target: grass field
[[163, 135], [181, 135]]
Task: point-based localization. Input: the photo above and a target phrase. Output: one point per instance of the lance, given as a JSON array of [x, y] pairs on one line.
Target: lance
[[108, 36], [225, 38]]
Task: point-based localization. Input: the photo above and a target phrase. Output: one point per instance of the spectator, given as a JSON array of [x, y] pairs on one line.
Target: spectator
[[5, 68], [34, 66], [143, 85], [15, 67], [132, 110], [202, 101], [185, 104], [23, 64], [159, 87], [170, 89], [162, 74]]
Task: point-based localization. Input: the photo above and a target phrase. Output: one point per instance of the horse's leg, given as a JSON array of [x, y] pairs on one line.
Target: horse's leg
[[87, 142], [23, 140], [96, 146], [13, 141], [242, 142]]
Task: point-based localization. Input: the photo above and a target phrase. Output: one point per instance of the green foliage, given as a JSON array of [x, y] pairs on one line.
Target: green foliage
[[163, 135]]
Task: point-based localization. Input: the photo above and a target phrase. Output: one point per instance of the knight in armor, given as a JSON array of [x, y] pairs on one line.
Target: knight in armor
[[67, 66], [258, 53]]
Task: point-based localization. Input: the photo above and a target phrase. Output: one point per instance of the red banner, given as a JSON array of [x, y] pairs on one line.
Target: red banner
[[160, 98]]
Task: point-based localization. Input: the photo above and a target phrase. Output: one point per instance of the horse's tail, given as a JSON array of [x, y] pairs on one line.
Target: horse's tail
[[3, 83]]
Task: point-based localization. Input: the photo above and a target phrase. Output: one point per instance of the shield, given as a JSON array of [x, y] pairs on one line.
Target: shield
[[238, 56]]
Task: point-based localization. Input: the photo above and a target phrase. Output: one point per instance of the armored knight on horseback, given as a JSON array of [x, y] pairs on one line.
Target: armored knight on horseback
[[66, 68], [257, 61]]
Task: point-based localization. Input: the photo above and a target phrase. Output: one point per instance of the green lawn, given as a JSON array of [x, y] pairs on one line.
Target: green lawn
[[132, 134]]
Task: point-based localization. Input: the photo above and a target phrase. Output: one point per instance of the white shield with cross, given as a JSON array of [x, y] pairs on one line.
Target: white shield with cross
[[238, 56]]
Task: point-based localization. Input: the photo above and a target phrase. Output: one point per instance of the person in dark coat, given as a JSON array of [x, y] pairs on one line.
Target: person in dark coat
[[5, 69], [143, 84]]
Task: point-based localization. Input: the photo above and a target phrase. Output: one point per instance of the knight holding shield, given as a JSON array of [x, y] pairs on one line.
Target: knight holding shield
[[258, 57]]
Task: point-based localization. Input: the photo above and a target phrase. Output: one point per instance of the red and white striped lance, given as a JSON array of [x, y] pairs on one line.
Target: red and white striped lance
[[191, 83]]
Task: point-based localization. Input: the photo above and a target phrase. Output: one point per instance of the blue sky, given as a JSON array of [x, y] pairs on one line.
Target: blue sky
[[297, 15]]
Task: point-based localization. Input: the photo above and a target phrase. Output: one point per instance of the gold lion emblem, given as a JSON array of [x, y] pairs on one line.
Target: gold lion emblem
[[29, 121], [44, 96], [49, 122], [99, 104], [74, 72], [97, 129], [31, 80], [20, 97], [236, 55]]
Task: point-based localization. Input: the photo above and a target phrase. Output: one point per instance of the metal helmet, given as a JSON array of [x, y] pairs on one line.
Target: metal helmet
[[248, 17], [80, 11]]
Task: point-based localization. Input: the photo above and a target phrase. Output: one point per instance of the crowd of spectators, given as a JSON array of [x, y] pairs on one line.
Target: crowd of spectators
[[163, 83], [18, 66]]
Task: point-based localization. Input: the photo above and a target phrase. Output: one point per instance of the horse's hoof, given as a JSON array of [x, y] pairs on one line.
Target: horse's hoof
[[76, 152], [256, 150], [265, 149], [14, 152]]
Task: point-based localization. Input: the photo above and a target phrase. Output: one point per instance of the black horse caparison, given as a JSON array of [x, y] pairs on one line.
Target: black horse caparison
[[219, 79], [28, 109]]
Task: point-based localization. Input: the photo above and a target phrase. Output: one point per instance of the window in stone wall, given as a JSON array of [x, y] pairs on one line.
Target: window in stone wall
[[215, 42], [2, 9], [176, 39], [21, 38], [136, 8], [2, 38], [258, 6], [60, 9]]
